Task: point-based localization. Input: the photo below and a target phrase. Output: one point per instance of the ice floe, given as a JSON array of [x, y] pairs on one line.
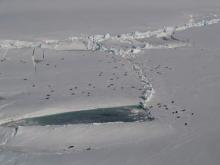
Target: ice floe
[[126, 45]]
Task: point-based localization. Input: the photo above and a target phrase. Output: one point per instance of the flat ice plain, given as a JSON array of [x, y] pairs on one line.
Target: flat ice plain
[[74, 57]]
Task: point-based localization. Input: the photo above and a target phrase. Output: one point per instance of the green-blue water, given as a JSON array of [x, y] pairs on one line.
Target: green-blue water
[[101, 115]]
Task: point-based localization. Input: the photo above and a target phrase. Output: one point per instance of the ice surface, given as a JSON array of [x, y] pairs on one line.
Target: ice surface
[[67, 56]]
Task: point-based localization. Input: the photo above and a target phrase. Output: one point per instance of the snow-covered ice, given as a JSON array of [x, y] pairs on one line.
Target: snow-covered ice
[[58, 57]]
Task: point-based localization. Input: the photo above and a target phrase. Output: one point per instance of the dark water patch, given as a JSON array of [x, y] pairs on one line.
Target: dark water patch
[[101, 115], [2, 98]]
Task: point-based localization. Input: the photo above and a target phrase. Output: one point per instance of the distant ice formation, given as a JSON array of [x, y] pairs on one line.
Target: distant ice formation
[[135, 41]]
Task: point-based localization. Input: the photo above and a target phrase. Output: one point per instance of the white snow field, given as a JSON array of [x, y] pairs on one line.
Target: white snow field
[[120, 82]]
